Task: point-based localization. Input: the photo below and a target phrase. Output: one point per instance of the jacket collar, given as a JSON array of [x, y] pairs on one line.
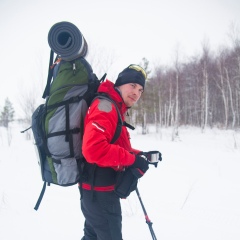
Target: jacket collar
[[108, 88]]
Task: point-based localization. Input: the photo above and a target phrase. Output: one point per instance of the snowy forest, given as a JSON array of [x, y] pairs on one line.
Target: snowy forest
[[202, 91]]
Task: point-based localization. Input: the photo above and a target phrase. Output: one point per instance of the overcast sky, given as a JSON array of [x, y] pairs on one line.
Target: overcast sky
[[129, 28]]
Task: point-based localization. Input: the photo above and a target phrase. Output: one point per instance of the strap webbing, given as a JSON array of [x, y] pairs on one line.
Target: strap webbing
[[50, 74], [40, 196], [128, 125], [67, 122], [64, 132], [65, 102]]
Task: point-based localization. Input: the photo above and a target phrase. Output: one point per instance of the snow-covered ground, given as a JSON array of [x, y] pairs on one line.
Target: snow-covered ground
[[193, 194]]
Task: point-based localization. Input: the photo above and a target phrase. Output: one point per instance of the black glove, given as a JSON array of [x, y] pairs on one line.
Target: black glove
[[139, 167]]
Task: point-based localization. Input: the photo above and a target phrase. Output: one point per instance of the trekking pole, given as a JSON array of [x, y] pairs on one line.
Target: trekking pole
[[149, 223]]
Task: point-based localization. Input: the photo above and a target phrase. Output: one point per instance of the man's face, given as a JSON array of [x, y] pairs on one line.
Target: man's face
[[130, 92]]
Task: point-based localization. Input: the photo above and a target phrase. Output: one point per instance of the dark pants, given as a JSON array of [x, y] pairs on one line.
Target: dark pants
[[103, 216]]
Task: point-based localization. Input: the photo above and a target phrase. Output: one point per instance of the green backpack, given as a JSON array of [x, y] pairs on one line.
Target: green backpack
[[57, 124]]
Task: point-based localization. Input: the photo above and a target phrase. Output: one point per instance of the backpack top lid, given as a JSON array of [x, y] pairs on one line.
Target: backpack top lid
[[68, 74]]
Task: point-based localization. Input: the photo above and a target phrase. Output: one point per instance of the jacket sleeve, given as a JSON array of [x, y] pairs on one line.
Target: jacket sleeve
[[136, 151], [100, 126]]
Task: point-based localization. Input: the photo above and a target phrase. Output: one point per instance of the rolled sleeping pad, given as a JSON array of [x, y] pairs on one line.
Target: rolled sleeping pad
[[65, 39]]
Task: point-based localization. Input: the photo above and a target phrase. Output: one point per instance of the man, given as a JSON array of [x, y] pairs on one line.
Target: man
[[99, 202]]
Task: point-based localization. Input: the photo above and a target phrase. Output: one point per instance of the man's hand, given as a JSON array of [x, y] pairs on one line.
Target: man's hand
[[139, 167]]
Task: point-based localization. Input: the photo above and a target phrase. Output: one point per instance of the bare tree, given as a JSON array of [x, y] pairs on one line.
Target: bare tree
[[145, 100], [31, 92], [234, 35], [230, 98], [177, 67], [101, 59], [205, 89], [6, 117], [221, 84]]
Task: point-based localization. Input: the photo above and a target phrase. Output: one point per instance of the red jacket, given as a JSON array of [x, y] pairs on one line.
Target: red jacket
[[100, 125]]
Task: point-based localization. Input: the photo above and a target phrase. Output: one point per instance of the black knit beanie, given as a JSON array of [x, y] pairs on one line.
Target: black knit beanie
[[132, 74]]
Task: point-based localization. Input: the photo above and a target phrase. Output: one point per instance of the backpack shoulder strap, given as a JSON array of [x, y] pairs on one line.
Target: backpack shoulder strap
[[51, 71], [119, 125], [120, 121]]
